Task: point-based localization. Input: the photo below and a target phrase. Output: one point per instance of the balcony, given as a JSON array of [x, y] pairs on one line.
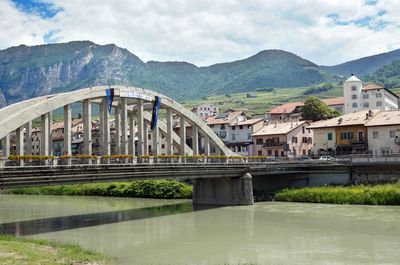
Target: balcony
[[397, 140], [274, 144]]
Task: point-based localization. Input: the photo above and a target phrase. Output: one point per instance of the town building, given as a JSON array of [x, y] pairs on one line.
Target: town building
[[206, 110], [235, 130], [288, 139], [346, 134], [383, 132], [292, 111], [372, 96]]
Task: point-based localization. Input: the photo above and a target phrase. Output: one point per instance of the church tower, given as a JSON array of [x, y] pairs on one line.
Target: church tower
[[352, 88]]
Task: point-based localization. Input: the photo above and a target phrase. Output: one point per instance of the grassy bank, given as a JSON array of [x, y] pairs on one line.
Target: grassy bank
[[157, 189], [16, 250], [388, 194]]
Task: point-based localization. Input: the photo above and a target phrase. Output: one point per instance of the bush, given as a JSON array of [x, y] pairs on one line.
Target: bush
[[388, 194], [158, 189]]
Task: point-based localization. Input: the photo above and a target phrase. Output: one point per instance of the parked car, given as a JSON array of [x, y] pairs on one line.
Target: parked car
[[327, 158], [304, 158]]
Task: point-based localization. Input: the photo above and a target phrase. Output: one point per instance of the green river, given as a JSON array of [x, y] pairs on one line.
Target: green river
[[145, 231]]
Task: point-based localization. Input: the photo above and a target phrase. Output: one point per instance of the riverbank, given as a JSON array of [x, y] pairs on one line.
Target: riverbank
[[388, 194], [156, 189], [18, 250]]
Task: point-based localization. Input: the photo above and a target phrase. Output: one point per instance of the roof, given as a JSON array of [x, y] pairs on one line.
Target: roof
[[334, 101], [290, 107], [248, 122], [352, 78], [230, 117], [60, 125], [278, 128], [384, 118], [372, 87], [355, 118]]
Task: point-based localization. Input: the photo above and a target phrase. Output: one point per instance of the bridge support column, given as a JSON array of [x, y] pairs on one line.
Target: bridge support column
[[132, 133], [6, 146], [28, 135], [87, 127], [145, 139], [195, 140], [19, 138], [44, 135], [140, 124], [182, 134], [170, 146], [156, 142], [50, 128], [124, 126], [104, 128], [67, 132], [223, 191], [206, 146], [117, 136]]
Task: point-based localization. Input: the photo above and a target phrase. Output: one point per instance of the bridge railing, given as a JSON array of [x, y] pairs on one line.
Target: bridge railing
[[373, 158], [30, 160]]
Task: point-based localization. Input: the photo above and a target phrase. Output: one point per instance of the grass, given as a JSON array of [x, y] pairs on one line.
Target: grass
[[264, 100], [18, 250], [157, 189], [388, 194]]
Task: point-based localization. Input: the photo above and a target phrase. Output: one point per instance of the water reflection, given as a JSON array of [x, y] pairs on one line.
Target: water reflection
[[62, 223]]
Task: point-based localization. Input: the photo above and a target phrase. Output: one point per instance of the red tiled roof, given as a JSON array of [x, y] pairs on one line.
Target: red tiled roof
[[231, 116], [290, 107]]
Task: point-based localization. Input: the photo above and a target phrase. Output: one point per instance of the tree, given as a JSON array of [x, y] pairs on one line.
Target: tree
[[314, 109]]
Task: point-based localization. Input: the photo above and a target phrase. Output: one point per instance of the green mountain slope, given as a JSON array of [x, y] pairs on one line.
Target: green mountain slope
[[27, 72], [388, 75], [365, 65]]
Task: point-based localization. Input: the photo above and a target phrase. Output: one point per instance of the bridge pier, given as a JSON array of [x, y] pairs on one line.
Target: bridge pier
[[223, 191]]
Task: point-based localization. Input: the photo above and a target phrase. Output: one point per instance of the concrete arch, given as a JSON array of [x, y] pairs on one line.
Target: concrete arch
[[17, 115]]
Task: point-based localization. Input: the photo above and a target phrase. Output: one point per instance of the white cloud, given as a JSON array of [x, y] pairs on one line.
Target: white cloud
[[209, 31]]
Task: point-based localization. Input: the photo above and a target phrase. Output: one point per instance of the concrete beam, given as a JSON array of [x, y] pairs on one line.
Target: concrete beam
[[87, 126], [67, 130]]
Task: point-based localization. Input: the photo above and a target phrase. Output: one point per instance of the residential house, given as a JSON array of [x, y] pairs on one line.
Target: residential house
[[288, 139], [384, 133], [206, 110], [292, 111], [373, 96], [346, 134]]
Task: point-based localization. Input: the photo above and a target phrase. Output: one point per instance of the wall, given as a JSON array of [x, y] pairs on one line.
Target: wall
[[384, 143], [355, 129], [320, 138]]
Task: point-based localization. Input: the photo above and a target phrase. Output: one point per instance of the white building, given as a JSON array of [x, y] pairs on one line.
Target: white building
[[235, 130], [384, 133], [358, 97], [206, 110]]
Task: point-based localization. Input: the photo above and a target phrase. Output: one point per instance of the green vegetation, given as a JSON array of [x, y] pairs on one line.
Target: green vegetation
[[157, 189], [314, 109], [17, 250], [318, 89], [265, 100], [388, 75], [388, 194]]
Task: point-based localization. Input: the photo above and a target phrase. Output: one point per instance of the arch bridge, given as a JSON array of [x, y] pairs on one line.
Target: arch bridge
[[132, 109]]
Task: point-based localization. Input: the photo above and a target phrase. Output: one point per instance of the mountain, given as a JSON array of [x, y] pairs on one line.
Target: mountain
[[365, 65], [389, 75], [27, 72]]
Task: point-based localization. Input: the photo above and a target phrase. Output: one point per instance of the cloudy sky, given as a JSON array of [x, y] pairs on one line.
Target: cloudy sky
[[204, 32]]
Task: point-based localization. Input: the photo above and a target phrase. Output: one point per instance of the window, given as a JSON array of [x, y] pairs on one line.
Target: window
[[343, 136], [350, 135], [354, 105], [149, 136], [211, 126], [259, 141], [269, 152], [303, 129], [309, 140], [330, 137], [222, 134], [162, 146], [366, 105], [379, 104], [233, 128], [365, 96], [223, 127], [233, 137], [259, 152], [240, 126], [249, 136], [353, 96], [353, 88], [378, 95], [304, 140], [294, 139], [392, 134], [375, 135]]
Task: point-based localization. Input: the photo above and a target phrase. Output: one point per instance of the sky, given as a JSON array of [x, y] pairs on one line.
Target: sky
[[205, 32]]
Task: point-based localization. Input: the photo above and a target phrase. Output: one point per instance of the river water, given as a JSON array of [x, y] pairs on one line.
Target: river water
[[145, 231]]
